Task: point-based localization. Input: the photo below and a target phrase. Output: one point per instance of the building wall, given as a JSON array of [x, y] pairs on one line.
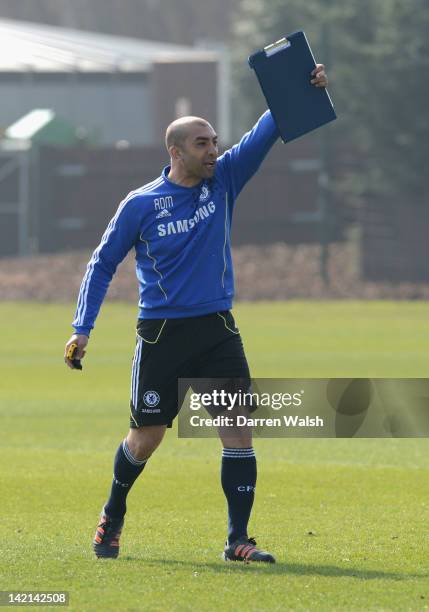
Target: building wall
[[185, 88], [112, 107], [116, 106]]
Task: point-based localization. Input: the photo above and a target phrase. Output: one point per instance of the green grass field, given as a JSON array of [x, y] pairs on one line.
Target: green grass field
[[365, 501]]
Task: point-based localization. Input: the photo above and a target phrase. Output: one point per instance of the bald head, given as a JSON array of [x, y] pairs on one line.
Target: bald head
[[193, 148], [181, 128]]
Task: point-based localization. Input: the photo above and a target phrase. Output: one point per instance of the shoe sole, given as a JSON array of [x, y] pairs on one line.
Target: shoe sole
[[102, 552], [225, 558]]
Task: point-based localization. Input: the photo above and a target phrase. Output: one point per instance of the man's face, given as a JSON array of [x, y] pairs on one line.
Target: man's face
[[199, 152]]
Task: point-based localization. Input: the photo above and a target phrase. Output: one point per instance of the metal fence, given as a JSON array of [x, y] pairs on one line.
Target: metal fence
[[52, 200], [63, 198]]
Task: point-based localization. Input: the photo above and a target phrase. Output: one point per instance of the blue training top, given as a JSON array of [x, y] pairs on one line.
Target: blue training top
[[181, 236]]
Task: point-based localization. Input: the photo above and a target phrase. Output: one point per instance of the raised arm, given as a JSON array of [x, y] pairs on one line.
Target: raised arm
[[242, 161]]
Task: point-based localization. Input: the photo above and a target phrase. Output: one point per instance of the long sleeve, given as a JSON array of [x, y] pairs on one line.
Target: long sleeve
[[120, 236], [242, 161]]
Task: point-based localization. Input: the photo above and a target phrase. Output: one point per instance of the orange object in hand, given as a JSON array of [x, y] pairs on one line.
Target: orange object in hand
[[70, 355]]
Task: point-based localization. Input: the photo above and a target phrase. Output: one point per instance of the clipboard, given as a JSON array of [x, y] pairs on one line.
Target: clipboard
[[284, 71]]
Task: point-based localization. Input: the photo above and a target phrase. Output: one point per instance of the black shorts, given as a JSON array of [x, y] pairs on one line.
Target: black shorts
[[208, 346]]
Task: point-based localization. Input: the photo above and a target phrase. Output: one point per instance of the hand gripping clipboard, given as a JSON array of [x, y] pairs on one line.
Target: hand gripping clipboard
[[284, 73]]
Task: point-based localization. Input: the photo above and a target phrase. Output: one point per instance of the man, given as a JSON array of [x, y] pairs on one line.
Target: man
[[179, 225]]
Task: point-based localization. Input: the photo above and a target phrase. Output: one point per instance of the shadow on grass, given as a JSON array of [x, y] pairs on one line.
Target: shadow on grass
[[296, 569]]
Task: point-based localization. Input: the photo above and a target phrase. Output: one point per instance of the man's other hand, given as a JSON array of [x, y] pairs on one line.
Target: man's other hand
[[81, 341], [320, 78]]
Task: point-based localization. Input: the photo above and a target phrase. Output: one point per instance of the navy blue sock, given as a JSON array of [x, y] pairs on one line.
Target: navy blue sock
[[238, 477], [126, 469]]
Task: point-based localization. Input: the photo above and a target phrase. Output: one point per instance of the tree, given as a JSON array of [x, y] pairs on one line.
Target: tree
[[380, 55]]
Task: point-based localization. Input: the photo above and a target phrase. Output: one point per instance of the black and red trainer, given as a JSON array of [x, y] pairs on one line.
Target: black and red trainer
[[106, 539], [244, 549]]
